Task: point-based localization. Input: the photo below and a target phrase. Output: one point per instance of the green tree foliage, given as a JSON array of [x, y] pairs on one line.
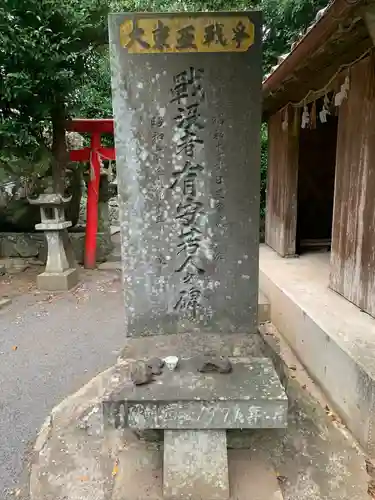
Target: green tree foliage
[[47, 49], [54, 64], [94, 95], [285, 21]]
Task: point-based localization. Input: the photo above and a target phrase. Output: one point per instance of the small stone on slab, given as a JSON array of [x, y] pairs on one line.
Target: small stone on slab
[[213, 363], [195, 465], [156, 365], [141, 373]]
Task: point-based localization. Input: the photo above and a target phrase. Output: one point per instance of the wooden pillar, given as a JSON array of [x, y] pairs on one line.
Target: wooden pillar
[[353, 235], [282, 176]]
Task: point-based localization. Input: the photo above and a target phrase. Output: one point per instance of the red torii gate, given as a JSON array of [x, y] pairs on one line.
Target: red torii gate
[[92, 154]]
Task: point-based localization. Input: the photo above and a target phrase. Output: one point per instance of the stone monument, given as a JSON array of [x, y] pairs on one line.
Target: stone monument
[[195, 411], [61, 272], [187, 106]]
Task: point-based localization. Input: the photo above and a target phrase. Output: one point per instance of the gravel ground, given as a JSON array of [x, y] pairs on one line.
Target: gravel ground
[[50, 345]]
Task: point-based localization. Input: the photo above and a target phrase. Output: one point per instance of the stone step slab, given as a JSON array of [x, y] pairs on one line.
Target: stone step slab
[[140, 472], [195, 465]]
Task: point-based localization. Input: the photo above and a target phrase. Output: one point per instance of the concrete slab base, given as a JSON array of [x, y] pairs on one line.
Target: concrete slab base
[[54, 282], [293, 455], [333, 338], [264, 309], [195, 465]]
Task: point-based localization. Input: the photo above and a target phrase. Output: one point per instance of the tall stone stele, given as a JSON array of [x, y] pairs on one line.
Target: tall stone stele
[[61, 271], [187, 105]]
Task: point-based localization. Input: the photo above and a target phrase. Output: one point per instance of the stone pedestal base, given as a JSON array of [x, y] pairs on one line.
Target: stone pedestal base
[[55, 282], [195, 465], [195, 410]]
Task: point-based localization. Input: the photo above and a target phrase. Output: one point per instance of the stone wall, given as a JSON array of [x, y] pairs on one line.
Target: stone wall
[[113, 211], [17, 215], [114, 218], [34, 246]]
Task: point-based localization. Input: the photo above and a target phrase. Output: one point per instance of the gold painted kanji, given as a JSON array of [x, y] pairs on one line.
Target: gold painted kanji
[[150, 35]]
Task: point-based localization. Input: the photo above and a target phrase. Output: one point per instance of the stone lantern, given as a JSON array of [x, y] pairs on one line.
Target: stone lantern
[[61, 272]]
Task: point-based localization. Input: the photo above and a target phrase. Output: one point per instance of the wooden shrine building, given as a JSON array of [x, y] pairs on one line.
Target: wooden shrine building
[[319, 103]]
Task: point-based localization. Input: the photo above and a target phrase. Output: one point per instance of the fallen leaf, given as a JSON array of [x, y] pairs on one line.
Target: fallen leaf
[[304, 386], [115, 468], [334, 417], [281, 479], [14, 348], [371, 488], [293, 367], [370, 468]]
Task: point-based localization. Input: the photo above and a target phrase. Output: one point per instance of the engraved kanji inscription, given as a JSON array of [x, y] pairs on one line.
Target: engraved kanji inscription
[[163, 33], [157, 121], [190, 240], [188, 96], [160, 36], [240, 34], [187, 212], [189, 301], [188, 80], [136, 37], [214, 33], [186, 37], [191, 264], [188, 172]]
